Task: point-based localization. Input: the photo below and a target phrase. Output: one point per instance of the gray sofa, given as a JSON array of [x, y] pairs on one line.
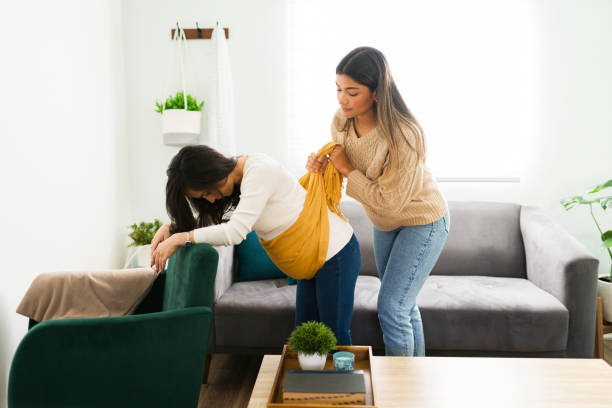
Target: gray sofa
[[509, 282]]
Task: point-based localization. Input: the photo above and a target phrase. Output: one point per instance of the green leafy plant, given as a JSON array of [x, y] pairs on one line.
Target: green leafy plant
[[142, 234], [589, 199], [312, 337], [178, 102]]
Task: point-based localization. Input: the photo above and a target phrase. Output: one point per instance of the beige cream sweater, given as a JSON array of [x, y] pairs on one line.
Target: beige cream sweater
[[409, 196]]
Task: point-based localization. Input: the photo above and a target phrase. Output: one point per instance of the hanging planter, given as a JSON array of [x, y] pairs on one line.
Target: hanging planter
[[180, 125], [181, 113]]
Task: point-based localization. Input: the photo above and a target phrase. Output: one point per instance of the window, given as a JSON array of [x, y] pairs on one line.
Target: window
[[465, 69]]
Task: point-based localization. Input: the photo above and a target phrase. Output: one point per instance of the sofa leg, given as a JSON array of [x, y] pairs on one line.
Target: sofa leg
[[206, 368], [599, 332]]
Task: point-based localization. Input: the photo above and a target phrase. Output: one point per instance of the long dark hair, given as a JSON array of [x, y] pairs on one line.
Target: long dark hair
[[198, 168], [368, 66]]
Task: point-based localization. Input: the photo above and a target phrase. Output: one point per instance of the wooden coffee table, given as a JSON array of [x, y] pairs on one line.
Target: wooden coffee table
[[452, 382]]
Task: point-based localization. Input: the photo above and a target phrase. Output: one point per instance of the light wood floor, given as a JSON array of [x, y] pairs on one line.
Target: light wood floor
[[232, 378]]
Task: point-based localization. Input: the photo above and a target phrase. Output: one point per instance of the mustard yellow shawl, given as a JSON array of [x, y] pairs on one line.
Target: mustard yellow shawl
[[300, 251]]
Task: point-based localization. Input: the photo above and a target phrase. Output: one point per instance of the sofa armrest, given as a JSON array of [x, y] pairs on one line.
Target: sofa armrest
[[562, 266], [152, 360], [225, 270]]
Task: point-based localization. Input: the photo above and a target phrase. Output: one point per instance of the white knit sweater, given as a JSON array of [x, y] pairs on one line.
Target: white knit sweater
[[271, 200]]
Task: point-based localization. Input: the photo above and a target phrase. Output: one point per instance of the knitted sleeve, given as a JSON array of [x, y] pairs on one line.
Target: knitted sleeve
[[392, 191]]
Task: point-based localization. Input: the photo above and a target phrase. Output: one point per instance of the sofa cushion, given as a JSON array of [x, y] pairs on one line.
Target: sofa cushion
[[472, 313], [255, 314], [365, 328], [490, 313], [484, 239], [262, 313], [459, 313], [253, 261], [362, 226]]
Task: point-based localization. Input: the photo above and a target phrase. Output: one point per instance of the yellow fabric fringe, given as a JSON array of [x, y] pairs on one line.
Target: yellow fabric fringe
[[300, 251]]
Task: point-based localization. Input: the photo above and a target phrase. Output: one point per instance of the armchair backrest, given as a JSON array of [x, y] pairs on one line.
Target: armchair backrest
[[190, 277]]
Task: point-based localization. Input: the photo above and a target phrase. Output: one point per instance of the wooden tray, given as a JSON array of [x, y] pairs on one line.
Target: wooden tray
[[289, 361]]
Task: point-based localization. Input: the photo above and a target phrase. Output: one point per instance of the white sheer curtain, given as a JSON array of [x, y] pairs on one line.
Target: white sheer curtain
[[221, 117], [466, 70]]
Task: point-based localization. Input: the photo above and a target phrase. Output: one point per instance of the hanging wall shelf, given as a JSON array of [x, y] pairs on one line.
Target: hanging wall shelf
[[199, 33]]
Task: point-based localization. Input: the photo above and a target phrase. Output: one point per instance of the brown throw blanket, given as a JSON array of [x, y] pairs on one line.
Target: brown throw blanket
[[60, 295]]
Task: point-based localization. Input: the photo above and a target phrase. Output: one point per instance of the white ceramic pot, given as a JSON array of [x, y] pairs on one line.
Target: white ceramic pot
[[181, 127], [312, 361], [604, 289], [138, 257]]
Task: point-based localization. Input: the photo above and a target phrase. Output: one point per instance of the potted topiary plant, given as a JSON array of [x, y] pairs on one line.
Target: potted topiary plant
[[312, 341], [181, 117], [604, 283], [139, 250]]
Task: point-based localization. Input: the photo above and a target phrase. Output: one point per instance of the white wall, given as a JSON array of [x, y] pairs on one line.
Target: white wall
[[572, 147], [257, 53], [62, 158], [464, 67]]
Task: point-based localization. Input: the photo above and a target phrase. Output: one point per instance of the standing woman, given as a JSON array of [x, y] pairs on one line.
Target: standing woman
[[383, 158]]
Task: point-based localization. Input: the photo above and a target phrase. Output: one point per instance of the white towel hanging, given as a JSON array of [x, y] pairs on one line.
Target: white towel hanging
[[221, 120]]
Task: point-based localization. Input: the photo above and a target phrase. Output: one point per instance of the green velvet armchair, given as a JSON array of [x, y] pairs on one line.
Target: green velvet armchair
[[154, 358]]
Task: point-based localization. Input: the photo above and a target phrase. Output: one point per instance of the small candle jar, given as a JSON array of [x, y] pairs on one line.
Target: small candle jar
[[344, 360]]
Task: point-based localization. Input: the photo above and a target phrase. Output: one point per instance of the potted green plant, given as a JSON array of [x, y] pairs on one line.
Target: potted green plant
[[312, 341], [139, 250], [181, 117], [604, 283]]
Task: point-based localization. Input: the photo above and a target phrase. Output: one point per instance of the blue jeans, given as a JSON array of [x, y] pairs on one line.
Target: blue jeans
[[404, 258], [328, 297]]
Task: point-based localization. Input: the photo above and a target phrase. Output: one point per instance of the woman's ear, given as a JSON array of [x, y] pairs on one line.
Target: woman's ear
[[374, 96]]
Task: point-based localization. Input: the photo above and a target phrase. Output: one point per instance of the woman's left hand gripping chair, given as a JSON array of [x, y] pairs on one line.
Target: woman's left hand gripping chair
[[154, 358]]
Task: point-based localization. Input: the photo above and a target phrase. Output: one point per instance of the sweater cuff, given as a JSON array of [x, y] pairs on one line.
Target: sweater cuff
[[356, 184], [213, 234]]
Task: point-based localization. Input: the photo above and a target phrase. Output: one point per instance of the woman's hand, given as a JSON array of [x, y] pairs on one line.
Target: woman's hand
[[341, 161], [316, 164], [165, 250], [162, 234]]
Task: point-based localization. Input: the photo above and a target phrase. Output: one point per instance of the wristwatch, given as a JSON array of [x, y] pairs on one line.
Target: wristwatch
[[188, 243]]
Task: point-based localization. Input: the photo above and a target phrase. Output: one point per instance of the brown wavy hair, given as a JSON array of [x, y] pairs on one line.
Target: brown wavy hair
[[368, 66], [198, 168]]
